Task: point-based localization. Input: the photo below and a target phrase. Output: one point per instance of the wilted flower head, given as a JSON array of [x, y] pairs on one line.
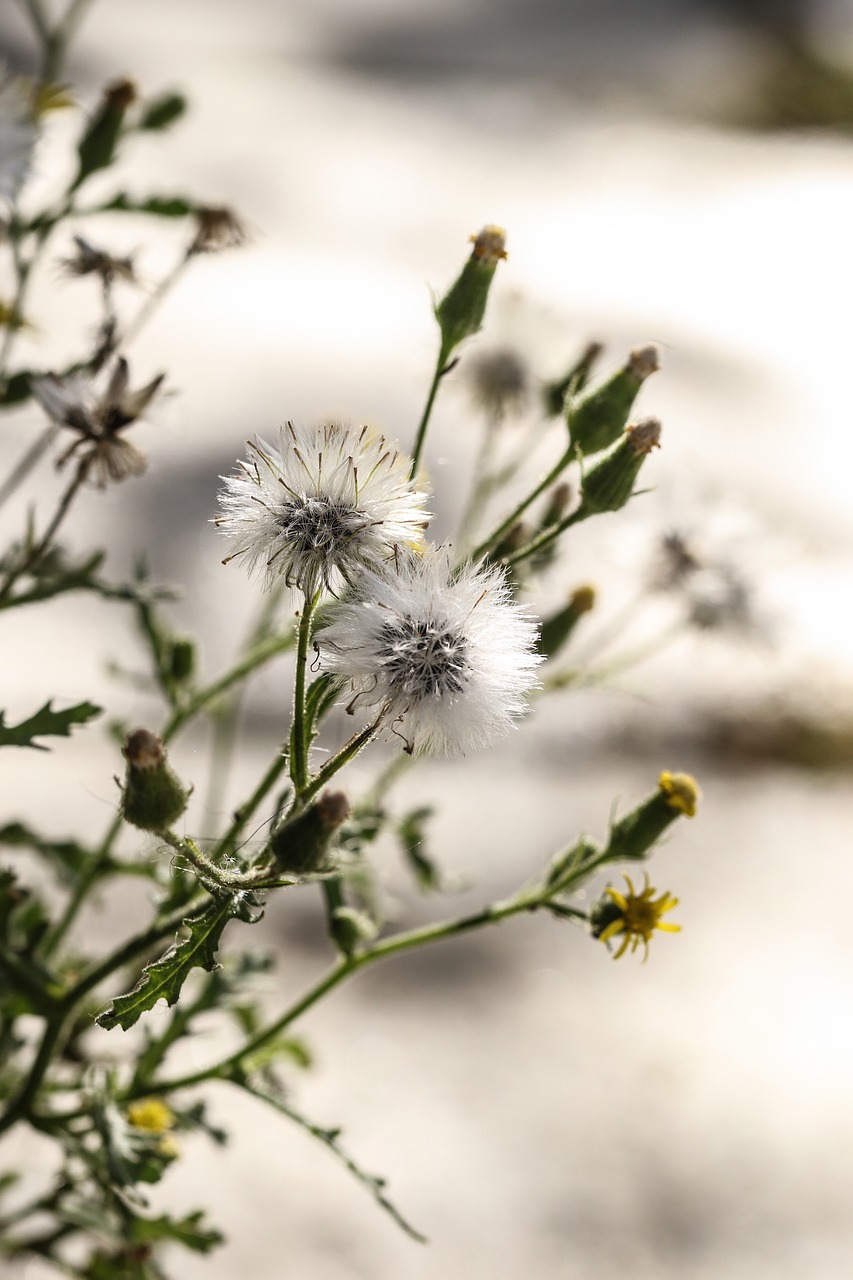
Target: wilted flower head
[[444, 658], [500, 381], [89, 260], [18, 135], [98, 417], [715, 590], [329, 502], [217, 228]]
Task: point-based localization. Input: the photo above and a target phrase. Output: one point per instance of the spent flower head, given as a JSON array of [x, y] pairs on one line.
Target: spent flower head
[[89, 260], [217, 228], [98, 417], [635, 916], [329, 502], [443, 658]]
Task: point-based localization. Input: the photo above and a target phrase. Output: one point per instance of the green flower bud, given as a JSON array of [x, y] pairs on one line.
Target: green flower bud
[[182, 660], [160, 113], [633, 836], [460, 313], [608, 484], [556, 630], [596, 422], [301, 844], [572, 383], [97, 147], [153, 797]]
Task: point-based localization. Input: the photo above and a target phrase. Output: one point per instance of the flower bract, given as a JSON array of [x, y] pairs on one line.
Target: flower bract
[[444, 658]]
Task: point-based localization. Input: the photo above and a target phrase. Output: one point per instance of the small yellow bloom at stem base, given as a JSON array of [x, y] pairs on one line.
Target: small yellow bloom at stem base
[[634, 915], [150, 1114]]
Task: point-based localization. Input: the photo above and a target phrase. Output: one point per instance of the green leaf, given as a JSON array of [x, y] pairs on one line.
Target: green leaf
[[157, 206], [164, 979], [162, 112], [16, 389], [410, 830], [187, 1231], [46, 722]]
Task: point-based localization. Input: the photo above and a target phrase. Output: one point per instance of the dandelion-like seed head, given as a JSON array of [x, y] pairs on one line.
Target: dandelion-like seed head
[[443, 659], [635, 916], [327, 503]]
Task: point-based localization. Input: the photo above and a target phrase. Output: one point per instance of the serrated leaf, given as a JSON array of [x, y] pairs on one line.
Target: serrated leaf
[[164, 979], [186, 1231], [45, 723], [160, 113]]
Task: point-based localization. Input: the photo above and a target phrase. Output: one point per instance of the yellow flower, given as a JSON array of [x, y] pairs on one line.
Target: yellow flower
[[636, 916], [150, 1114], [681, 792]]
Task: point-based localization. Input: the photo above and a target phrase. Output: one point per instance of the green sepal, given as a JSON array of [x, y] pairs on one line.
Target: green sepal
[[45, 723], [164, 979], [187, 1231]]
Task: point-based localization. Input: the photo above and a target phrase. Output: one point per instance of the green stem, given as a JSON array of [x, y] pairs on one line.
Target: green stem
[[347, 966], [441, 368], [347, 752], [542, 540], [21, 1106], [262, 653], [36, 553], [229, 841], [299, 770], [84, 883], [513, 518]]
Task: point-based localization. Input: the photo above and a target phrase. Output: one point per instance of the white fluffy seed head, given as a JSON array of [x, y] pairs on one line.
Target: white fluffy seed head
[[443, 659], [329, 502]]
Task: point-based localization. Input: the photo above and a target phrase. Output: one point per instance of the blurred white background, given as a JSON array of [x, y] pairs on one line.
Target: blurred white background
[[535, 1106]]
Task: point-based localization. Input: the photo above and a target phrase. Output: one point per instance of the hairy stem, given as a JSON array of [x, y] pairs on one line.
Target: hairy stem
[[441, 368]]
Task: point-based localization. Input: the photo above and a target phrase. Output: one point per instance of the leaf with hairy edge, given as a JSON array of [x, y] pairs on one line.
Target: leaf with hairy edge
[[45, 722], [163, 979]]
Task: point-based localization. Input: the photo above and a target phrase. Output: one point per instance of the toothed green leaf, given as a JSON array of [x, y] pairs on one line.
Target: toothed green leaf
[[164, 979], [44, 723]]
